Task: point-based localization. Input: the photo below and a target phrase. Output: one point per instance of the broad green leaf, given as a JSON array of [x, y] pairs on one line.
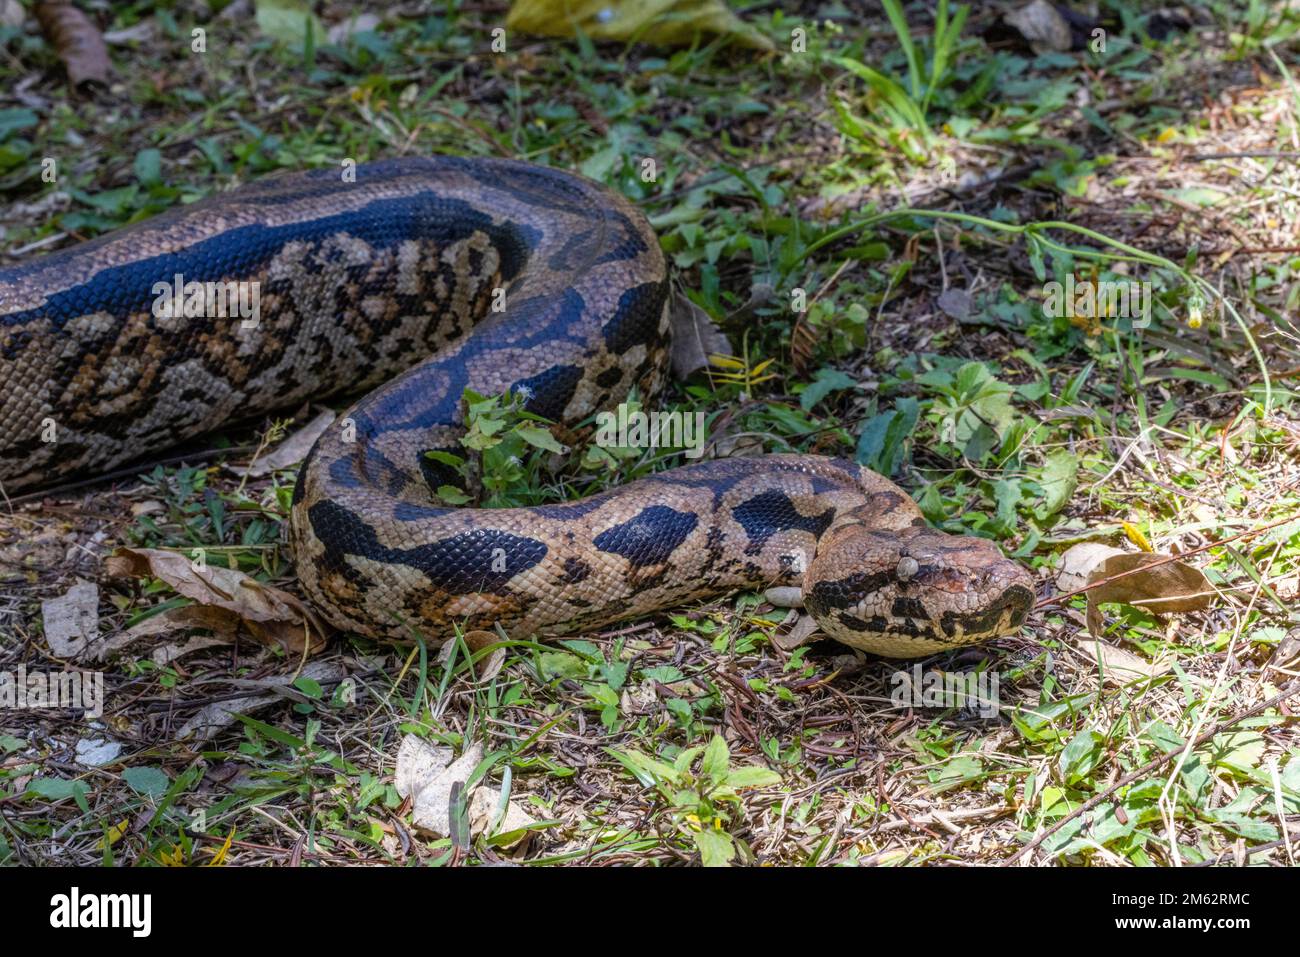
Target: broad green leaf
[[716, 848], [539, 437], [1059, 479], [148, 167], [289, 22], [825, 382], [149, 781], [716, 760], [753, 777], [1081, 756]]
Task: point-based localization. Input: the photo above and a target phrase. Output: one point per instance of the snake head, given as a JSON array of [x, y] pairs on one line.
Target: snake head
[[913, 591]]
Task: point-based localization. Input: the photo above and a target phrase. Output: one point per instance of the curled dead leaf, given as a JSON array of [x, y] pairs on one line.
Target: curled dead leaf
[[1150, 581], [418, 763], [432, 796], [1119, 666], [427, 774], [695, 337], [77, 41], [228, 600], [1043, 25], [485, 668], [1080, 561], [805, 626], [488, 817]]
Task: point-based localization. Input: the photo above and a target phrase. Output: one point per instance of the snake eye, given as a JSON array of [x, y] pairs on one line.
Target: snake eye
[[907, 567]]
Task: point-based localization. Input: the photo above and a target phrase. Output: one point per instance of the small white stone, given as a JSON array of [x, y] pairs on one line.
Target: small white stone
[[785, 596]]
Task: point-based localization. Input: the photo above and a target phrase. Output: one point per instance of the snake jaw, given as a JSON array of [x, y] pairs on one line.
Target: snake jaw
[[915, 591]]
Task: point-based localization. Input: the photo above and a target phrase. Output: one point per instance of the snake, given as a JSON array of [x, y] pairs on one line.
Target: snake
[[409, 281]]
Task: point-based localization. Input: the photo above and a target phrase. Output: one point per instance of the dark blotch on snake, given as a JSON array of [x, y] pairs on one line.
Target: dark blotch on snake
[[772, 511], [636, 321], [649, 538], [575, 570], [483, 560]]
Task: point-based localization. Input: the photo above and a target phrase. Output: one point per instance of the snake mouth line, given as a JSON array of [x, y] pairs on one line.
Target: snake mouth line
[[1002, 617]]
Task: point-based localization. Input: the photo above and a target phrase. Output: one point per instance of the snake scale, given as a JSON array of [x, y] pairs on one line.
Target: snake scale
[[416, 279]]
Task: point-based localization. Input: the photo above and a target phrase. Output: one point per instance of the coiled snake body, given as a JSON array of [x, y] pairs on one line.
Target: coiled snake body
[[407, 268]]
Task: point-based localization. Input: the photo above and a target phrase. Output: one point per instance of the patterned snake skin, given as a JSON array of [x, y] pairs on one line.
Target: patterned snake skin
[[492, 275]]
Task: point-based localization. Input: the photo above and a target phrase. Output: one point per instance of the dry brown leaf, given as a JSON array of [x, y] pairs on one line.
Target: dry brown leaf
[[486, 668], [432, 809], [166, 654], [71, 621], [289, 452], [1119, 666], [1287, 649], [694, 338], [224, 624], [418, 763], [76, 40], [426, 774], [1164, 588], [804, 628], [269, 615], [1080, 561], [168, 622], [485, 806], [1042, 25]]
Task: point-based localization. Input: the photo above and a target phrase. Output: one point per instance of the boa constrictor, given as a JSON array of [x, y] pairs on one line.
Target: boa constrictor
[[394, 281]]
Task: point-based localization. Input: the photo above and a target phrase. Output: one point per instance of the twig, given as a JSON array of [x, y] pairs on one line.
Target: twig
[[1150, 766], [1249, 154], [1257, 849]]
